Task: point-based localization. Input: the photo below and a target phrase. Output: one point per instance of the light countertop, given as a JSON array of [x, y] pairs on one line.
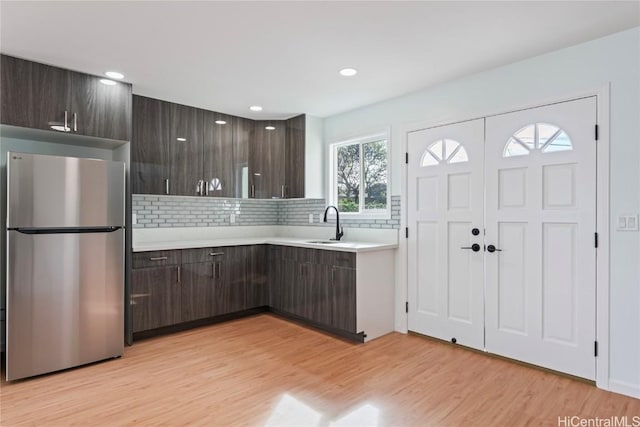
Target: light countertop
[[344, 246]]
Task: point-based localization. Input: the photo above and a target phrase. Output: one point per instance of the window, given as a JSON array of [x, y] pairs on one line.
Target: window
[[360, 176], [539, 136]]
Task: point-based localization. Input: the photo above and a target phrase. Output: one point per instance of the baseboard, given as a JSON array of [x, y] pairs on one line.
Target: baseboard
[[197, 323], [351, 336], [626, 388]]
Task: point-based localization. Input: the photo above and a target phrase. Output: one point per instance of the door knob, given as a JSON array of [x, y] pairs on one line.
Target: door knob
[[492, 249], [475, 231], [475, 247]]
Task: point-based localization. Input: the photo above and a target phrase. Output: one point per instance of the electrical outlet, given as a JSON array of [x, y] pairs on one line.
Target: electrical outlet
[[310, 218], [134, 218], [232, 218], [622, 223]]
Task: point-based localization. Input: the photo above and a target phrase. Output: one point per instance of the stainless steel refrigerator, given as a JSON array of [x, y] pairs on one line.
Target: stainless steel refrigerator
[[65, 262]]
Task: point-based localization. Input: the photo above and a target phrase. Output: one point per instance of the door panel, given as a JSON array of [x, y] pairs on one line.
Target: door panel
[[540, 193], [185, 145], [54, 191], [445, 204], [218, 155], [65, 295], [155, 297]]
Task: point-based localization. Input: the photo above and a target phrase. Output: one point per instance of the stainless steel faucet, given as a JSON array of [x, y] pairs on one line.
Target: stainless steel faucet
[[339, 230]]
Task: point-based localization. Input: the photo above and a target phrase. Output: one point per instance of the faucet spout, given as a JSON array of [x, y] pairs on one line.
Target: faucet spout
[[339, 230]]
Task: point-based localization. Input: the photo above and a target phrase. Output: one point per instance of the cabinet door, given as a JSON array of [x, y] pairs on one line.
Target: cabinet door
[[295, 157], [100, 110], [266, 160], [343, 298], [218, 167], [150, 149], [155, 297], [198, 290], [230, 290], [34, 95], [256, 280], [318, 293], [185, 144], [242, 134]]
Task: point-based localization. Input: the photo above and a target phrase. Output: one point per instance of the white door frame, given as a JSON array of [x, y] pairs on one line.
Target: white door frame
[[602, 212]]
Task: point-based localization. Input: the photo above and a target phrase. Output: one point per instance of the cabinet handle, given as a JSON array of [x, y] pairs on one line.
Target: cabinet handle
[[218, 269], [66, 120], [158, 258], [166, 186], [216, 253], [206, 187], [75, 122], [282, 191], [199, 188], [253, 191], [213, 269], [179, 271]]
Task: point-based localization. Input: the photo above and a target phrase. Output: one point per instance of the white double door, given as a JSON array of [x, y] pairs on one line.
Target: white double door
[[501, 216]]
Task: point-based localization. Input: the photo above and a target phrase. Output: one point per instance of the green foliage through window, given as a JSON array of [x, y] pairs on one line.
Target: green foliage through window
[[362, 166]]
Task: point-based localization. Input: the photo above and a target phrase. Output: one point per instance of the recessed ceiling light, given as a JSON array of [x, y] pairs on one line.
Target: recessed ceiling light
[[114, 75], [270, 128], [348, 72], [255, 108], [107, 82], [221, 122], [181, 139]]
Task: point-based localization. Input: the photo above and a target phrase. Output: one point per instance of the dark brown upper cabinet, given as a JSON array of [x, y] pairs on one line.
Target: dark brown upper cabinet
[[185, 142], [266, 160], [150, 146], [34, 95], [294, 157], [40, 96], [100, 110], [243, 130], [218, 155]]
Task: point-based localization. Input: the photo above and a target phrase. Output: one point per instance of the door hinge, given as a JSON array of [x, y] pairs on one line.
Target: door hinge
[[406, 307], [595, 238], [597, 132], [406, 232], [595, 349], [406, 158]]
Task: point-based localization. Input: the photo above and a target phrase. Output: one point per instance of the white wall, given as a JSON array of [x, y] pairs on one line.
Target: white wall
[[613, 60]]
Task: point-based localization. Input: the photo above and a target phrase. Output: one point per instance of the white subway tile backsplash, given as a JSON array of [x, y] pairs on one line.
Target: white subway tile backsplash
[[178, 211]]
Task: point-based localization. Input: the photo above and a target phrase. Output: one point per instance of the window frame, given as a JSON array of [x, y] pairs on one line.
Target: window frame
[[333, 180]]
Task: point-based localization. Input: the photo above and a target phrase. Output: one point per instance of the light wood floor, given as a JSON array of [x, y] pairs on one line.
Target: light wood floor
[[265, 370]]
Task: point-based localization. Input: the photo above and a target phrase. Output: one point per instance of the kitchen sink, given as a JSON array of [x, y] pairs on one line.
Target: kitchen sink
[[323, 242]]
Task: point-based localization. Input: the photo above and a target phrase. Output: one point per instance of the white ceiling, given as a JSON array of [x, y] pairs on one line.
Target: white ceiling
[[285, 56]]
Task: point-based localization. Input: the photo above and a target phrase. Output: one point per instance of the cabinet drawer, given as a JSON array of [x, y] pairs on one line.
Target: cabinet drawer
[[155, 258], [190, 256], [344, 259]]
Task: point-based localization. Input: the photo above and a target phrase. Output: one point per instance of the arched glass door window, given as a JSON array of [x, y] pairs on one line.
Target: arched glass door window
[[444, 151], [538, 136]]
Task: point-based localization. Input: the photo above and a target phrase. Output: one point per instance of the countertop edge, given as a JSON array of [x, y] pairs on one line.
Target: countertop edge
[[194, 244]]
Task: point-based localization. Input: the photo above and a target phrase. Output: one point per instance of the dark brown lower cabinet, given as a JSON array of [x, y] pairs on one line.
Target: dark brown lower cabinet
[[257, 281], [343, 298], [155, 297], [230, 285], [314, 285], [198, 290]]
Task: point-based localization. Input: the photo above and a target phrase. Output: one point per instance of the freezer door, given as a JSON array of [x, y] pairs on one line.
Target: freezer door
[[65, 298], [53, 191]]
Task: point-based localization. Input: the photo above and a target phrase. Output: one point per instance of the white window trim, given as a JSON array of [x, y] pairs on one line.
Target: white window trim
[[333, 187]]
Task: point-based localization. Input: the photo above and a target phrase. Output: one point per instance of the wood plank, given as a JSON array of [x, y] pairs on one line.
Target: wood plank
[[258, 370]]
